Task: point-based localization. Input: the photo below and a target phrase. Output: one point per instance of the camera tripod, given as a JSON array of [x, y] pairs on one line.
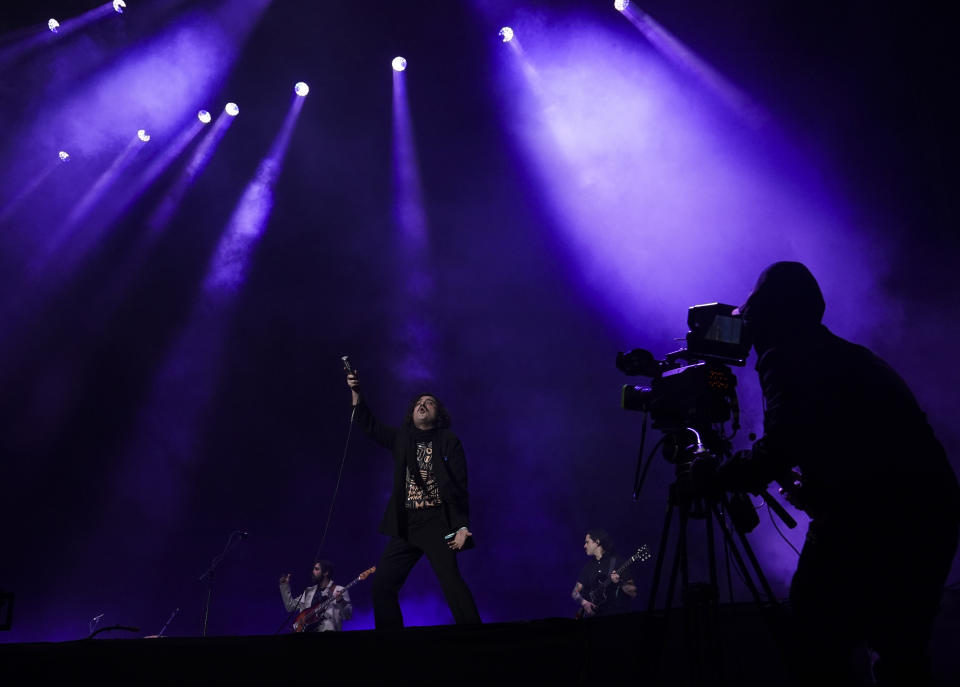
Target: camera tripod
[[691, 497]]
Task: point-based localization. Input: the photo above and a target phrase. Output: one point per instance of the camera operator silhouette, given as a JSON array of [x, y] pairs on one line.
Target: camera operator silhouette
[[883, 498]]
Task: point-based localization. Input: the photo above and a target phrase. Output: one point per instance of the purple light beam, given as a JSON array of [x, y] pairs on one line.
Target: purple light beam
[[159, 221], [164, 449], [28, 189], [228, 268], [687, 60], [416, 360], [201, 156], [39, 37]]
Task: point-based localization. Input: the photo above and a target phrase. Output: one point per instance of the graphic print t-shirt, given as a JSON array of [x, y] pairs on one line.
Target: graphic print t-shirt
[[425, 492]]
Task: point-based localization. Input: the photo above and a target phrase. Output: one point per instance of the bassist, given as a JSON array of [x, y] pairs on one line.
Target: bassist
[[322, 589], [599, 589]]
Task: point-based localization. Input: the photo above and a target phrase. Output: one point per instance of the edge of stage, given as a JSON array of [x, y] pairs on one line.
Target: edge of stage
[[636, 646]]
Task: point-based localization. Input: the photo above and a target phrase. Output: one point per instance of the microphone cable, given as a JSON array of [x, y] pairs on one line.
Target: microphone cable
[[336, 488], [326, 527], [333, 501]]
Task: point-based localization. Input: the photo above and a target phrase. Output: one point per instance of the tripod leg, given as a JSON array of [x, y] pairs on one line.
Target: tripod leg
[[679, 558], [727, 568], [711, 550], [741, 565], [702, 616], [658, 566], [767, 589], [748, 550]]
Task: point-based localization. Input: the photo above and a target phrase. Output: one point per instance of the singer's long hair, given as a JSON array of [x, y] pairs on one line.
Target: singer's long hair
[[443, 417]]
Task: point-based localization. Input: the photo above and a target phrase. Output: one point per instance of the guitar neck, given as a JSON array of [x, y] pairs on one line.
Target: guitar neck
[[351, 584], [322, 606], [630, 561]]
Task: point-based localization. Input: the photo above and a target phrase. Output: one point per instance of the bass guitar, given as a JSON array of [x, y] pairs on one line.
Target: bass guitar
[[314, 614], [598, 594]]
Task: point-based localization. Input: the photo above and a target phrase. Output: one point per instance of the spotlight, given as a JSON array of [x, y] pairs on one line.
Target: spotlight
[[232, 109], [63, 155], [301, 89], [621, 5], [53, 25], [399, 64], [118, 6], [506, 33], [143, 135], [204, 116]]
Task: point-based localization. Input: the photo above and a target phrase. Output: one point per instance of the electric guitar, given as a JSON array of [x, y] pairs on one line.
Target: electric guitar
[[598, 594], [313, 615]]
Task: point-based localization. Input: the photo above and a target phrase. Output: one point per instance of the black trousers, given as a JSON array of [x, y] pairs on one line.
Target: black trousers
[[425, 535]]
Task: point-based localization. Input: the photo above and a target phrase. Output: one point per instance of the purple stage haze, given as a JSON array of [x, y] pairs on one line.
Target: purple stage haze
[[491, 225], [165, 442], [662, 201]]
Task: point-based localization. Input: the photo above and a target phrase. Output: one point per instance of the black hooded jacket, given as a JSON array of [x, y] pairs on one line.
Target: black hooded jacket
[[840, 413]]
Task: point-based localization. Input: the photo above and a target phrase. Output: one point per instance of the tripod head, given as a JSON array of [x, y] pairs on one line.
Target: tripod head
[[697, 485], [695, 453]]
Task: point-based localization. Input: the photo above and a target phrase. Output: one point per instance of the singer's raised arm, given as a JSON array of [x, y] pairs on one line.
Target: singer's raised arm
[[382, 434]]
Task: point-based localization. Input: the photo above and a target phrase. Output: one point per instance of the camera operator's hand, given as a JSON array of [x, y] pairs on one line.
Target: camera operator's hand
[[796, 492], [742, 473]]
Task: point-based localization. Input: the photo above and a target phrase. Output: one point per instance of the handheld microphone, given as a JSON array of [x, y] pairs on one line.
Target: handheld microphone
[[346, 364]]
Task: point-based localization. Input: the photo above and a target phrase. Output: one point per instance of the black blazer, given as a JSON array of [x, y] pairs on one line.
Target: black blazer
[[451, 473]]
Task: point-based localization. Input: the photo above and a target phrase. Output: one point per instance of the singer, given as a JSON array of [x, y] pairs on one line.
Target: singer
[[428, 511], [873, 476]]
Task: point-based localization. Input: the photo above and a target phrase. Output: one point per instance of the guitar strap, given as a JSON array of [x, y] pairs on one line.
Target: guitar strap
[[323, 595], [610, 568], [314, 598]]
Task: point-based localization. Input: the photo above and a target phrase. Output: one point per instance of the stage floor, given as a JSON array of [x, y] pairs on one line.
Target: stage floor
[[636, 648]]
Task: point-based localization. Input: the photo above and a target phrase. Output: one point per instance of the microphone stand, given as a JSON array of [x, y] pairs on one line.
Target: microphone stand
[[169, 620], [208, 575]]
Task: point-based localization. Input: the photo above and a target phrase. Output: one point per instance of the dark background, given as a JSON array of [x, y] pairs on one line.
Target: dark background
[[113, 503]]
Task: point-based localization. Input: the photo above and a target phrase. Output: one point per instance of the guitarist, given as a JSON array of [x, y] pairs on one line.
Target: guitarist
[[599, 590], [323, 588]]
